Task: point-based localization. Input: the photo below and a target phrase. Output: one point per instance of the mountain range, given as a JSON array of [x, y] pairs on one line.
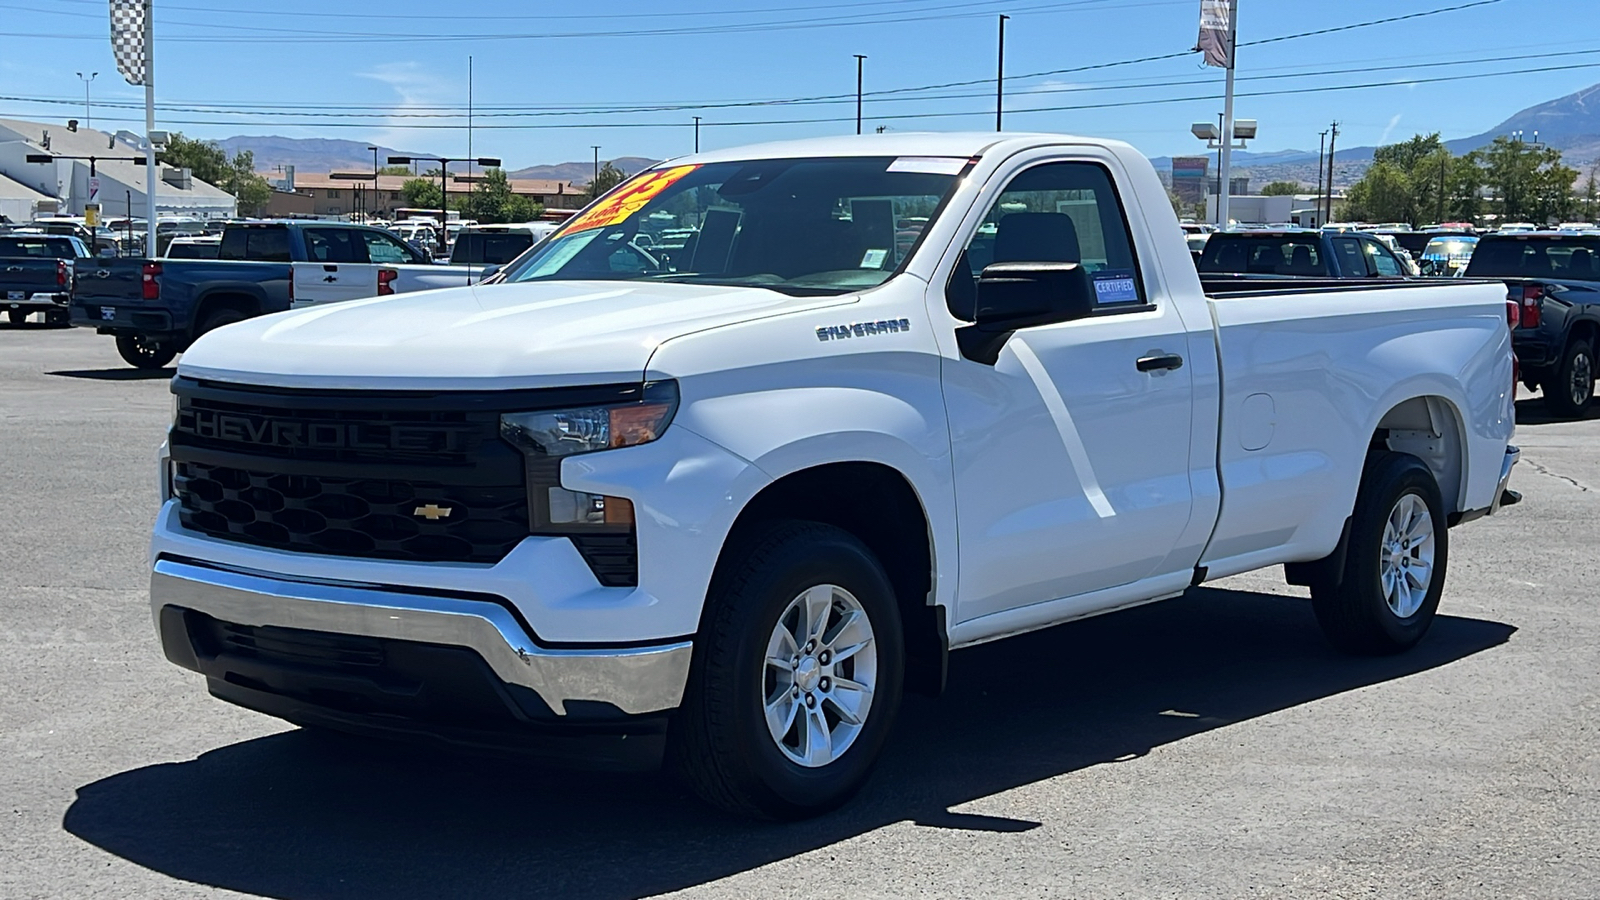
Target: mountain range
[[1570, 124]]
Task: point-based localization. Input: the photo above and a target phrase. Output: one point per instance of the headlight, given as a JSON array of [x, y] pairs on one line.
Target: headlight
[[546, 436], [563, 432]]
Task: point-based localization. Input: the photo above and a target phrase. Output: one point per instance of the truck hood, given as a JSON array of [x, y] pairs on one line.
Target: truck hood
[[500, 336]]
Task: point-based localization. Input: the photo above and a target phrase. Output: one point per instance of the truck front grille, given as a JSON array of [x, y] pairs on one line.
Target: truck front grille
[[366, 517]]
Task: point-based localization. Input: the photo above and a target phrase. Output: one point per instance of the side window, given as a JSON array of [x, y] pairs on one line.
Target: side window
[[269, 244], [1383, 261], [1055, 212], [1352, 262], [333, 245], [382, 248]]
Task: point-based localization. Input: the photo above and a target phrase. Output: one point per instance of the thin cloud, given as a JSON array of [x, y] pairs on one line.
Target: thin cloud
[[1390, 129]]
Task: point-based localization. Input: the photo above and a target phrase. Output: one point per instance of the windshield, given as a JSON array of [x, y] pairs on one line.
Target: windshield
[[1445, 247], [1264, 254], [798, 226], [1575, 257]]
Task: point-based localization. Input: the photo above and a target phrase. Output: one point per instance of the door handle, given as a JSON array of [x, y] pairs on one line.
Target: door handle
[[1162, 361]]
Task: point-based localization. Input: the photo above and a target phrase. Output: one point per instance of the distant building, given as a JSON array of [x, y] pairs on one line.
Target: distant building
[[345, 194], [122, 183], [1189, 177]]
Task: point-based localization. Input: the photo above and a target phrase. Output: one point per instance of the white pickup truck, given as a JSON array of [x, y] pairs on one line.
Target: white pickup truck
[[895, 395]]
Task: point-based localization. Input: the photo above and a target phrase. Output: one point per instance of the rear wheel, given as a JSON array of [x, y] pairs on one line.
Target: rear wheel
[[58, 318], [1571, 390], [143, 353], [1395, 562], [17, 316], [797, 677]]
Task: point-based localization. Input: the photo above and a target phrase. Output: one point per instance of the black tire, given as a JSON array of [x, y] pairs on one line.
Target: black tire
[[1355, 613], [1569, 393], [143, 353], [719, 742], [218, 318], [18, 317], [58, 318]]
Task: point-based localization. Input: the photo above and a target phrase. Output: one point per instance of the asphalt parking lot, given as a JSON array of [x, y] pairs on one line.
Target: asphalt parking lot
[[1211, 746]]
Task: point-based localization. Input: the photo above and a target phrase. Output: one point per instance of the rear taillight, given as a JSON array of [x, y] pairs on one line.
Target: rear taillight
[[61, 273], [1532, 298], [1513, 313], [149, 288], [386, 279]]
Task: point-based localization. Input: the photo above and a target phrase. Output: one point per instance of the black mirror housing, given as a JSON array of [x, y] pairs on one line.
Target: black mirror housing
[[1015, 295]]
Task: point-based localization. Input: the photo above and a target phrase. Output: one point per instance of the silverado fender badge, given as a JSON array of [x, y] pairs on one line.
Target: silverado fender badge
[[862, 329], [433, 512]]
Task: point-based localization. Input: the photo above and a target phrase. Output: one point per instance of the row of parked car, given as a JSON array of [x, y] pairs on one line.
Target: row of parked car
[[1552, 275]]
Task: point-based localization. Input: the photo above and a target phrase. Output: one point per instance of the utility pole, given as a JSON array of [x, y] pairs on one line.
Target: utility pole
[[1322, 148], [697, 134], [88, 116], [859, 60], [1333, 137], [1442, 161], [377, 197], [595, 184], [469, 121], [1226, 161], [1000, 79]]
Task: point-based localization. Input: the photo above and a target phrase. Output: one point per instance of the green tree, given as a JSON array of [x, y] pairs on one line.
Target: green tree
[[421, 192], [1282, 189], [1382, 195], [492, 201], [395, 170], [1529, 181], [1464, 202], [610, 176], [210, 163]]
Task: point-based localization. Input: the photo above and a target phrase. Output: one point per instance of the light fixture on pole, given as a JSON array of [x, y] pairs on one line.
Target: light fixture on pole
[[488, 162], [88, 117], [1243, 130]]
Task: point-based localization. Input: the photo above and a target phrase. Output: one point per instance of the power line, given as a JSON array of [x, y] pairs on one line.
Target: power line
[[452, 112], [938, 115]]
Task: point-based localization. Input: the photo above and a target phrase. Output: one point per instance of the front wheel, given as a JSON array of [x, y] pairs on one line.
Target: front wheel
[[1571, 390], [797, 676], [143, 353], [1395, 561]]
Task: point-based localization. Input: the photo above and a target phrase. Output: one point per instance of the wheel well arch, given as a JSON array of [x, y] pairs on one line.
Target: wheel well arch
[[246, 305], [878, 505], [1584, 329], [1431, 428]]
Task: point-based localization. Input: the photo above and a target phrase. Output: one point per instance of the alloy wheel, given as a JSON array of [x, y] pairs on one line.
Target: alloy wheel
[[820, 673], [1406, 567]]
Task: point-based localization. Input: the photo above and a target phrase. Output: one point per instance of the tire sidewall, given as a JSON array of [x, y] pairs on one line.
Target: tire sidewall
[[1402, 475], [1560, 393], [823, 556]]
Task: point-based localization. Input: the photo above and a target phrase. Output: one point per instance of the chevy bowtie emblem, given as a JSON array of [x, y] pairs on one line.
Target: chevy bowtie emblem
[[433, 512]]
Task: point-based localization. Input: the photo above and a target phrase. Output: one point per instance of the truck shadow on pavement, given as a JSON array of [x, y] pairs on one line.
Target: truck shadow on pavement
[[1534, 411], [116, 374], [297, 816]]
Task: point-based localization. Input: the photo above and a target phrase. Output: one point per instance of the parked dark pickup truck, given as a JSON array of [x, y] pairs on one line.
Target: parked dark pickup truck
[[1299, 253], [157, 307], [36, 274], [1555, 281]]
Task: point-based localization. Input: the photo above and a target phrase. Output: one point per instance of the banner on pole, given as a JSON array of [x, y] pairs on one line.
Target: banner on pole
[[94, 190], [127, 39], [1216, 33]]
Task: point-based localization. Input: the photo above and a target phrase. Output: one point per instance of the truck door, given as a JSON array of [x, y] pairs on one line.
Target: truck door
[[1071, 452], [335, 269]]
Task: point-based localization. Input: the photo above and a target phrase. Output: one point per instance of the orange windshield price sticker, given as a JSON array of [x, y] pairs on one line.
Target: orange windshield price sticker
[[628, 199]]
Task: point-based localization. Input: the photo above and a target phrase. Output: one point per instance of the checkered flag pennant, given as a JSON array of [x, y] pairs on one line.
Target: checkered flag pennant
[[127, 39]]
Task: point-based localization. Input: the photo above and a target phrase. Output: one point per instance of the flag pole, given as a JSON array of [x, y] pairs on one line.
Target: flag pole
[[150, 126], [1225, 163]]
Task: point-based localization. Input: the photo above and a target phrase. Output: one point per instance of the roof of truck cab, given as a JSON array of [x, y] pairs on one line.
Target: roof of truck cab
[[956, 144]]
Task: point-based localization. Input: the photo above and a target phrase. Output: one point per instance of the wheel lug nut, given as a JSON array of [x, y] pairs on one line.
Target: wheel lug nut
[[824, 657], [825, 684], [797, 693], [811, 701]]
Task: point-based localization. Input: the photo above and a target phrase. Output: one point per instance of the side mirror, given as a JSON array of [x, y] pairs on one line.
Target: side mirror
[[1015, 295]]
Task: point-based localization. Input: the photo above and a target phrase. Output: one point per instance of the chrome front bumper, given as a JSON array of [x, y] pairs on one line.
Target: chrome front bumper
[[634, 680]]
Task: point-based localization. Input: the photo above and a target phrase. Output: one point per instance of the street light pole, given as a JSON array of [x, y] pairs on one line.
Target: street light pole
[[377, 197], [1000, 78], [1225, 162], [697, 134], [88, 116], [859, 60], [1322, 147], [487, 162], [594, 186]]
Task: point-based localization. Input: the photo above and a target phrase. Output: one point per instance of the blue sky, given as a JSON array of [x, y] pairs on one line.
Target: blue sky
[[266, 66]]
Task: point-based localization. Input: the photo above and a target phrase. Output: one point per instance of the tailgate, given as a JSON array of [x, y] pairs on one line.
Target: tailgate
[[118, 279], [21, 277], [320, 282]]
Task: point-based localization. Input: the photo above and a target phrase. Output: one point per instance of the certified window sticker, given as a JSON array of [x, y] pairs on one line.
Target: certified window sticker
[[1115, 286]]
